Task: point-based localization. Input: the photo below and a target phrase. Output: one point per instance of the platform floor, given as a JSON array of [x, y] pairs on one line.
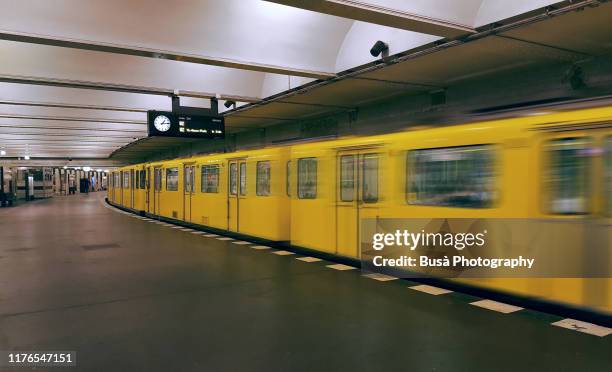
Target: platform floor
[[133, 295]]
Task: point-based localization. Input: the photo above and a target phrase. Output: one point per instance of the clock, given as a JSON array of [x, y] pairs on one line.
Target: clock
[[186, 125], [162, 123]]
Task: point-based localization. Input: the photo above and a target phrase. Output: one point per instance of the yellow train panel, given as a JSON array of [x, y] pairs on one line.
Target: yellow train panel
[[315, 194]]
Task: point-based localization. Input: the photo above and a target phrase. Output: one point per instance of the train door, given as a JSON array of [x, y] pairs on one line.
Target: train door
[[607, 176], [237, 191], [132, 187], [148, 190], [121, 187], [157, 187], [357, 196], [188, 190]]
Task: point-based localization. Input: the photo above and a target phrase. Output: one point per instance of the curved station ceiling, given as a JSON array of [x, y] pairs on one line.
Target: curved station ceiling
[[77, 77]]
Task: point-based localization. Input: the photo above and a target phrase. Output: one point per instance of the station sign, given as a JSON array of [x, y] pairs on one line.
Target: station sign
[[168, 124]]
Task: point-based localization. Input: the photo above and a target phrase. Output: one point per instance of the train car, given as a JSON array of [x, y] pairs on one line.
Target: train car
[[548, 170], [553, 171], [254, 185], [243, 192], [334, 184], [127, 187], [8, 189]]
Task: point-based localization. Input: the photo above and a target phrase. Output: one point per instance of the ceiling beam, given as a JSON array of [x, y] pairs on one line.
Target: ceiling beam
[[135, 131], [362, 11], [80, 84], [4, 141], [71, 106], [32, 160], [157, 54], [63, 118], [76, 137]]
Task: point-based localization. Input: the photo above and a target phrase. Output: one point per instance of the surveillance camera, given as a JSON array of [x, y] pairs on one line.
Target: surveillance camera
[[69, 159], [378, 48], [229, 104]]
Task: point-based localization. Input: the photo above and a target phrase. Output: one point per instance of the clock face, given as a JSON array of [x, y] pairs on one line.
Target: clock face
[[162, 123]]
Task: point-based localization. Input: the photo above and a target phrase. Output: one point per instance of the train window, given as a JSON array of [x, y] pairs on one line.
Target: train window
[[568, 175], [262, 186], [233, 179], [347, 178], [243, 184], [370, 178], [307, 178], [454, 176], [137, 183], [143, 179], [608, 161], [117, 182], [210, 178], [288, 183], [132, 183], [172, 179], [126, 180]]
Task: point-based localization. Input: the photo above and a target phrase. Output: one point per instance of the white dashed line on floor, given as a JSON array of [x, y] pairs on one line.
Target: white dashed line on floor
[[260, 247], [341, 267], [283, 253], [211, 235], [240, 242], [380, 277], [224, 238], [500, 307], [309, 259], [430, 289], [584, 327]]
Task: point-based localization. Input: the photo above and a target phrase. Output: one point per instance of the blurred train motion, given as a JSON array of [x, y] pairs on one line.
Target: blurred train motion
[[554, 168]]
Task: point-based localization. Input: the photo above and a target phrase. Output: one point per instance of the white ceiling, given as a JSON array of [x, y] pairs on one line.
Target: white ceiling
[[255, 37]]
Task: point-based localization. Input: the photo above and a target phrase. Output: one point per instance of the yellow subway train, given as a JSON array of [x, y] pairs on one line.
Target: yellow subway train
[[552, 168]]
